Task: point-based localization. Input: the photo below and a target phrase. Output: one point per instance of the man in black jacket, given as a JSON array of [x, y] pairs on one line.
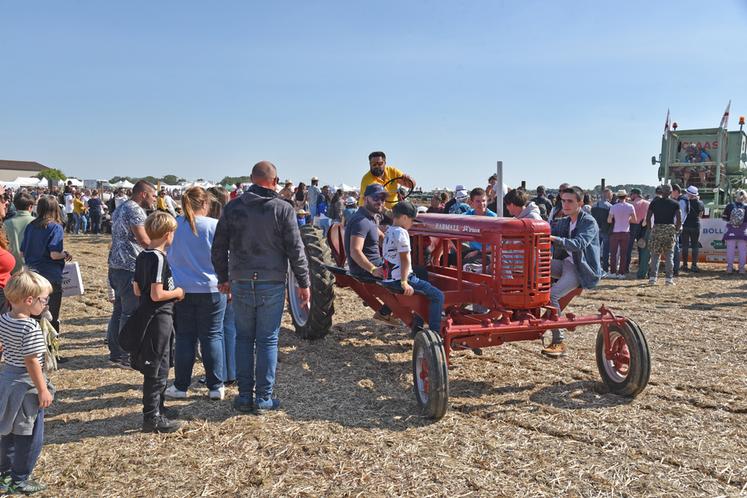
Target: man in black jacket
[[256, 237]]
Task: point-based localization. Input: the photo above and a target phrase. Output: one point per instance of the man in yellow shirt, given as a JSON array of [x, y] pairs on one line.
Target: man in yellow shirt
[[381, 173]]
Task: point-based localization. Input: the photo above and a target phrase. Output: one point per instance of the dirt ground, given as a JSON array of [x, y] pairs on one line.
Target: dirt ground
[[518, 425]]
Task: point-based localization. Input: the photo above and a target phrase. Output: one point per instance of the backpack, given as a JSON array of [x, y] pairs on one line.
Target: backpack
[[736, 218]]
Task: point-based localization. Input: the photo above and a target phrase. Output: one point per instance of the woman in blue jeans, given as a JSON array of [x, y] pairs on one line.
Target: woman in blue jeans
[[218, 198], [199, 317]]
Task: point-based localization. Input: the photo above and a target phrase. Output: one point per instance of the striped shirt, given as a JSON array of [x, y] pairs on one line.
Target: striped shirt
[[21, 337]]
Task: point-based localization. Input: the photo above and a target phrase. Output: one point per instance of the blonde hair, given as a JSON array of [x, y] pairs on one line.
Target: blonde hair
[[159, 224], [740, 196], [26, 283], [193, 199]]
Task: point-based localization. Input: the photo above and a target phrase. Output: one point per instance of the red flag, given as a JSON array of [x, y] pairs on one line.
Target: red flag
[[725, 117]]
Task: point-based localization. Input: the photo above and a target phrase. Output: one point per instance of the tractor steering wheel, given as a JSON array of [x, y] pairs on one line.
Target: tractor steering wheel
[[403, 191]]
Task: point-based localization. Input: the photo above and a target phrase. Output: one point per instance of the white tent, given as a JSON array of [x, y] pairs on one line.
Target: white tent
[[29, 181], [74, 182], [345, 188], [124, 184]]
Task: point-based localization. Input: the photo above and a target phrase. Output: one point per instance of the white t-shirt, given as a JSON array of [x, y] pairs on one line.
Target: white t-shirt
[[396, 241], [68, 203]]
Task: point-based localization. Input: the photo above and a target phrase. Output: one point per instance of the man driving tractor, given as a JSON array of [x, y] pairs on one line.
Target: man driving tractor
[[382, 174]]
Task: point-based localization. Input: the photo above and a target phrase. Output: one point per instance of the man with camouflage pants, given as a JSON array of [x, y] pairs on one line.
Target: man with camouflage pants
[[667, 222]]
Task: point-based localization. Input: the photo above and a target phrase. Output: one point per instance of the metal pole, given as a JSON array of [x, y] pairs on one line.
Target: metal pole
[[604, 184], [499, 189], [524, 185]]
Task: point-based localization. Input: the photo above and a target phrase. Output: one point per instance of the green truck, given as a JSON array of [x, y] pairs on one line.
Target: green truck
[[712, 159]]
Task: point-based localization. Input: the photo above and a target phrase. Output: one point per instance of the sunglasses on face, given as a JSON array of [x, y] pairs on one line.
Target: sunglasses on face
[[43, 300]]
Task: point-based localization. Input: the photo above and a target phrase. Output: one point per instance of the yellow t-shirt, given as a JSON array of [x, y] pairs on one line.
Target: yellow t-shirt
[[389, 173], [78, 206]]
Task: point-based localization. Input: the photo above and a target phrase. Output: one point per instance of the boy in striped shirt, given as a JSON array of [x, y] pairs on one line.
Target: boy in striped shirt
[[24, 393]]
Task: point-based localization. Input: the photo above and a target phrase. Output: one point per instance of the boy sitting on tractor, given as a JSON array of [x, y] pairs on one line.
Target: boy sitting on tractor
[[397, 268]]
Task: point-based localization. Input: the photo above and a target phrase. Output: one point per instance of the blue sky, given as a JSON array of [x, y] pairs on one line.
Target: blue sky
[[560, 91]]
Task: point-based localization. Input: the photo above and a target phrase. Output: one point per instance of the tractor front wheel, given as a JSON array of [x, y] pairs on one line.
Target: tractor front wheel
[[430, 374]]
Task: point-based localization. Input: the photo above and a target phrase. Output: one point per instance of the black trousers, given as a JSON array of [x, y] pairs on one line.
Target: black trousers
[[690, 238], [154, 387], [55, 303]]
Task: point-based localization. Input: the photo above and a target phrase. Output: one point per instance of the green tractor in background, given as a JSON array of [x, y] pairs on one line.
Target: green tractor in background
[[712, 159], [715, 161]]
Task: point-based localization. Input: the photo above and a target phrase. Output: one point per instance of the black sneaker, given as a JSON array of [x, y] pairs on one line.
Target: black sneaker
[[27, 487], [695, 269], [160, 424], [684, 268]]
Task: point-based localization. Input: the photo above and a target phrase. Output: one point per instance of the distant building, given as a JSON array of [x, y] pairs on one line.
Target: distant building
[[10, 170]]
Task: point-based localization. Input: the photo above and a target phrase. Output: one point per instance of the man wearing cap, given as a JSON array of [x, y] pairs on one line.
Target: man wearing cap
[[450, 203], [362, 237], [621, 216], [691, 228], [313, 197], [640, 205], [460, 205], [667, 222], [351, 206], [382, 174]]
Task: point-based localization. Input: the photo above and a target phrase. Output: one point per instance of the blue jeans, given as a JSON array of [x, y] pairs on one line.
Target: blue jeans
[[229, 343], [80, 222], [604, 257], [259, 309], [677, 254], [18, 454], [635, 233], [199, 316], [125, 304], [434, 295]]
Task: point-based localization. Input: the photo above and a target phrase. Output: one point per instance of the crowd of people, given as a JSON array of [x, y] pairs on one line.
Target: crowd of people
[[187, 278]]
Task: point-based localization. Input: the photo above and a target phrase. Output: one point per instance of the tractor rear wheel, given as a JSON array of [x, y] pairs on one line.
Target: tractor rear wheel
[[315, 320], [430, 374], [627, 370]]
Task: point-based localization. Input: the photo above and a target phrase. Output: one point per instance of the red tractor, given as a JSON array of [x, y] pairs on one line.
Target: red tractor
[[502, 298]]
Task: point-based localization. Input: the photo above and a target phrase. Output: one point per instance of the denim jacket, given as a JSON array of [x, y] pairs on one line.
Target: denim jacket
[[582, 245]]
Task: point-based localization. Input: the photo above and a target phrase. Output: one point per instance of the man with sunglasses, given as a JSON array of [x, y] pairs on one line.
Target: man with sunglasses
[[256, 238], [575, 259], [381, 174], [362, 238]]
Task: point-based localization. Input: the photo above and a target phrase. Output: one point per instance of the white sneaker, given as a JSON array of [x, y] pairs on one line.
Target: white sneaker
[[670, 281], [651, 281], [217, 394], [174, 393]]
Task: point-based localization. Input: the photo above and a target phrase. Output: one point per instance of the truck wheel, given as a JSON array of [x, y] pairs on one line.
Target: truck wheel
[[314, 321], [627, 371], [430, 374]]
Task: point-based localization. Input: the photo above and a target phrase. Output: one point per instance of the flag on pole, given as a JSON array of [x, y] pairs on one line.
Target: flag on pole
[[666, 125], [725, 117]]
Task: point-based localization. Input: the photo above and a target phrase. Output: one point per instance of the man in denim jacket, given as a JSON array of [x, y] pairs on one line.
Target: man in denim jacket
[[575, 262]]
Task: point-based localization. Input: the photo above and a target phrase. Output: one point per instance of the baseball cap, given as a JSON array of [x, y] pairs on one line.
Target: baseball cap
[[635, 191], [405, 208], [375, 189]]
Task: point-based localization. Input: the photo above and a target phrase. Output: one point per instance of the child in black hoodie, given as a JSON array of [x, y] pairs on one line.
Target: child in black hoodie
[[149, 334]]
